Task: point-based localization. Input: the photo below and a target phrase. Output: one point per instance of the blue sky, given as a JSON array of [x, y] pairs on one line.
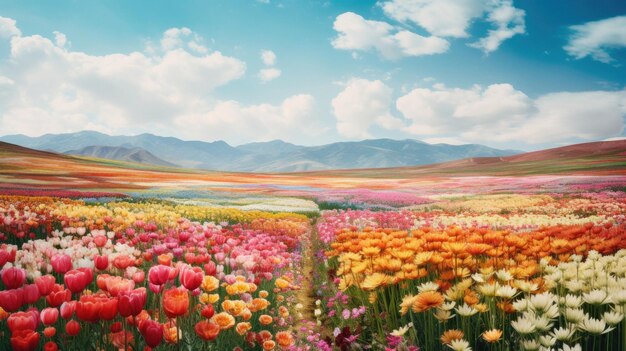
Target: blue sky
[[340, 70]]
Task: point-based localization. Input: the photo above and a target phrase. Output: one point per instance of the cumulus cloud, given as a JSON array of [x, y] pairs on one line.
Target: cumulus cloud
[[501, 113], [8, 28], [363, 103], [453, 18], [498, 113], [268, 74], [268, 57], [47, 88], [357, 33], [596, 38]]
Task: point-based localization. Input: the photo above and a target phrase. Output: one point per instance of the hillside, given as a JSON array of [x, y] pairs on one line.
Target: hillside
[[119, 153]]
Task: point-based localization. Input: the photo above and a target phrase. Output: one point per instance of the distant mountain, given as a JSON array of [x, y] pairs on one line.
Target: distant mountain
[[272, 156], [119, 153]]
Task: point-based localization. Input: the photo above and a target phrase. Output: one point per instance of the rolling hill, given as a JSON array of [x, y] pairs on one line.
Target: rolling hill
[[135, 154]]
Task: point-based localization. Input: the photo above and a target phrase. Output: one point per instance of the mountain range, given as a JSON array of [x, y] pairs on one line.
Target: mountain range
[[272, 156]]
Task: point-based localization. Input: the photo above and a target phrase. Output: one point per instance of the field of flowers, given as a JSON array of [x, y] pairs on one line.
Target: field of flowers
[[540, 268], [143, 276], [490, 272]]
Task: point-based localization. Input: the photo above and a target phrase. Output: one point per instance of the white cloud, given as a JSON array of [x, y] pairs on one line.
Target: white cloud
[[453, 18], [268, 74], [177, 38], [268, 57], [508, 22], [361, 104], [500, 113], [357, 33], [596, 38], [48, 88], [8, 28], [59, 39]]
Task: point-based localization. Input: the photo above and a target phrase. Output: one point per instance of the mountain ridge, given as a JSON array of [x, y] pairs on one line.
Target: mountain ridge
[[271, 156]]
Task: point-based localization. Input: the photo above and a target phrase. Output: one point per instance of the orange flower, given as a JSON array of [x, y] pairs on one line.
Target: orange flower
[[265, 319], [263, 294], [451, 335], [427, 300], [224, 320], [283, 311], [281, 283], [175, 302], [206, 330], [269, 345], [169, 334], [258, 304], [243, 327], [284, 339], [492, 335]]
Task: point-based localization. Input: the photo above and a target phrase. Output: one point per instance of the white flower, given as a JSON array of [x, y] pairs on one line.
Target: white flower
[[541, 302], [429, 286], [504, 275], [563, 334], [613, 317], [530, 345], [574, 315], [460, 345], [506, 291], [547, 340], [521, 305], [576, 347], [594, 326], [465, 310], [524, 325], [402, 330], [317, 312], [573, 301], [596, 297], [442, 315]]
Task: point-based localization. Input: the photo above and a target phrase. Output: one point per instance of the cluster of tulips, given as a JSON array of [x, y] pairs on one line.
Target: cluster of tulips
[[141, 277], [478, 285]]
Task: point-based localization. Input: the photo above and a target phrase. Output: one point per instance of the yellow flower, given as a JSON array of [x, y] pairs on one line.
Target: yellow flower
[[210, 283]]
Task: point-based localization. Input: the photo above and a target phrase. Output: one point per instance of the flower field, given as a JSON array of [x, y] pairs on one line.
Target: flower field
[[144, 276], [494, 272], [98, 257]]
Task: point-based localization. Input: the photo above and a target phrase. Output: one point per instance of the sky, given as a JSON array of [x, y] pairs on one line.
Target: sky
[[510, 74]]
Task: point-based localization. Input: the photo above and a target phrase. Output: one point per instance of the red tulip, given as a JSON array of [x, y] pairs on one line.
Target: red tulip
[[139, 277], [159, 275], [191, 277], [115, 285], [49, 315], [45, 284], [210, 268], [76, 280], [109, 309], [58, 295], [207, 311], [23, 321], [13, 277], [24, 340], [49, 332], [88, 308], [67, 309], [132, 302], [152, 331], [11, 300], [61, 263], [31, 293], [72, 328], [100, 240], [101, 262], [50, 346]]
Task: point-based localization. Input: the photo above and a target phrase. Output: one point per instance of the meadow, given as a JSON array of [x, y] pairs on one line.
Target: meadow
[[106, 257]]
